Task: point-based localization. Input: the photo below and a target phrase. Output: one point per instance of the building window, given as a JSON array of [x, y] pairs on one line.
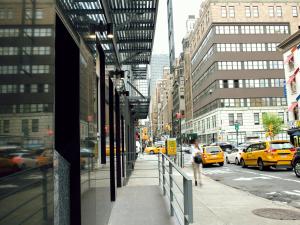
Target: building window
[[247, 11], [38, 32], [25, 127], [38, 14], [271, 11], [8, 70], [6, 14], [8, 51], [255, 11], [231, 119], [294, 11], [272, 47], [277, 29], [223, 11], [6, 124], [281, 116], [231, 11], [239, 118], [256, 118], [278, 11], [9, 32], [46, 88], [275, 65], [33, 88], [35, 125]]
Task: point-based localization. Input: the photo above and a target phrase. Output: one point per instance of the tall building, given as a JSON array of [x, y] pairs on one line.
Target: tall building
[[27, 74], [164, 103], [158, 62], [237, 73], [178, 94], [171, 35], [190, 23], [188, 120]]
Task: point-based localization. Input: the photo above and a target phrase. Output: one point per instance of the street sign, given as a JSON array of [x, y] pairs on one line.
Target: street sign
[[237, 126]]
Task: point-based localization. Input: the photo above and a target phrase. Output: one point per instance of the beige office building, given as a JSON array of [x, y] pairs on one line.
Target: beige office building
[[237, 72]]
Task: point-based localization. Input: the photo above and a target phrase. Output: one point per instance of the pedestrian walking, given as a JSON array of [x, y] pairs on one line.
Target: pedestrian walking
[[197, 162]]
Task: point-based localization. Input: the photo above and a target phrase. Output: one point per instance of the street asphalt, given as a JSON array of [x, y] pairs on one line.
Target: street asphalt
[[274, 184]]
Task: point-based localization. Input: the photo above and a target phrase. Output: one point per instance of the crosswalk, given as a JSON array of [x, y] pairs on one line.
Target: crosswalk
[[217, 171]]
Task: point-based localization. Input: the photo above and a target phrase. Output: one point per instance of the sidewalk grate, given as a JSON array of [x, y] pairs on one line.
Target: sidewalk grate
[[277, 214]]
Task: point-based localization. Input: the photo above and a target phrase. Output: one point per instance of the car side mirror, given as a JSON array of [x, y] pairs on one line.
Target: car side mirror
[[244, 150]]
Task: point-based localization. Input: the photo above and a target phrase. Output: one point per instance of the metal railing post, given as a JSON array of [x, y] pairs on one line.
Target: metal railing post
[[171, 187], [188, 201], [159, 179], [163, 174], [45, 193], [89, 171]]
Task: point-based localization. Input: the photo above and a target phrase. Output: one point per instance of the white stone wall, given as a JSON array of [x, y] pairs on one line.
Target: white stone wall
[[225, 132]]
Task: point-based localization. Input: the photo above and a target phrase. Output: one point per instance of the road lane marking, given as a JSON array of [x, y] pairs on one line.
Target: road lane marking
[[8, 186], [251, 178], [271, 176], [291, 193], [271, 193]]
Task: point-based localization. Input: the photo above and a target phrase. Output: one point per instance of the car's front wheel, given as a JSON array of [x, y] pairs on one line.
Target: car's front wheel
[[237, 161], [243, 163], [151, 152], [297, 168], [227, 160], [221, 163], [261, 165]]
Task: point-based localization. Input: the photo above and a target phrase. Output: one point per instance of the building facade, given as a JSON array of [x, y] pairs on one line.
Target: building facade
[[290, 48], [178, 96], [158, 62], [188, 120], [237, 73]]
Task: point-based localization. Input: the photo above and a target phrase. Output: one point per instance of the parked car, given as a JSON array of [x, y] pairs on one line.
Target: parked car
[[265, 154], [155, 150], [233, 156], [187, 149], [212, 155], [7, 167], [23, 159], [296, 163], [85, 152], [225, 146], [46, 158]]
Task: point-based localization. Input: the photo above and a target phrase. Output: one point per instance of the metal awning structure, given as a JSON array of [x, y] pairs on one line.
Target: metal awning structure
[[134, 26], [140, 106]]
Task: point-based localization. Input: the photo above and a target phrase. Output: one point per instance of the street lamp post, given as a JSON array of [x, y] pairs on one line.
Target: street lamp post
[[237, 127]]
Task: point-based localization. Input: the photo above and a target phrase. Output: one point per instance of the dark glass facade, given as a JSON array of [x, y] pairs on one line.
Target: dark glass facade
[[26, 116]]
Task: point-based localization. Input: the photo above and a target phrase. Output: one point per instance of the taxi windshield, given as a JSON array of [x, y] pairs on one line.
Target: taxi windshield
[[281, 145], [212, 149]]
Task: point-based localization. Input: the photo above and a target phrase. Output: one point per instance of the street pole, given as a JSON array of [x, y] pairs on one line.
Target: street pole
[[237, 137], [181, 156]]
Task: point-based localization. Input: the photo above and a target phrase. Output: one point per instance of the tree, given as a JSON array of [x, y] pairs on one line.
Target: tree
[[272, 124]]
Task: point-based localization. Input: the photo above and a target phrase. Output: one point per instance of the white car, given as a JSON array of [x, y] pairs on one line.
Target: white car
[[233, 156]]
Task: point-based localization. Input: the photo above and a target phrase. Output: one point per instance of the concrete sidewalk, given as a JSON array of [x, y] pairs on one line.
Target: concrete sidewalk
[[218, 204], [140, 202]]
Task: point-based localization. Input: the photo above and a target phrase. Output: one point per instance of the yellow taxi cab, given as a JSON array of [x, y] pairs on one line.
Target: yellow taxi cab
[[151, 150], [162, 149], [265, 154], [212, 155]]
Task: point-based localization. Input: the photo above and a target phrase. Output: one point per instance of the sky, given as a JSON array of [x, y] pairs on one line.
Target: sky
[[181, 10]]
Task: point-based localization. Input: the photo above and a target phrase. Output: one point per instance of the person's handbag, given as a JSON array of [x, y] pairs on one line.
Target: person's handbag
[[198, 159]]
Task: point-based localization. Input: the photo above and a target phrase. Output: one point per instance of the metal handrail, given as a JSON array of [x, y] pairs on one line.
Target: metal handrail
[[187, 213]]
